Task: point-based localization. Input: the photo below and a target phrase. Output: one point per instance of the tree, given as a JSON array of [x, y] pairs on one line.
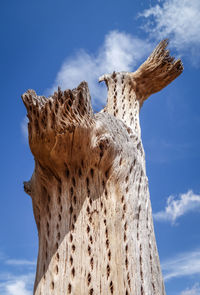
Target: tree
[[89, 188]]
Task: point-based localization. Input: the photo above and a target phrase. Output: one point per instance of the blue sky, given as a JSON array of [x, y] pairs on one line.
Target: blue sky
[[46, 43]]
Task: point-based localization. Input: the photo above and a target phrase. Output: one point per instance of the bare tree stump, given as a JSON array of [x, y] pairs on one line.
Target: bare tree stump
[[89, 189]]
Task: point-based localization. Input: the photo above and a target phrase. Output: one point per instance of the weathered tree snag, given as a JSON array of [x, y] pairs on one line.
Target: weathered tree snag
[[89, 188]]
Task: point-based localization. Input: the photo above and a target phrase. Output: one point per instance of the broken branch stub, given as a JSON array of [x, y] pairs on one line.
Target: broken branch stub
[[89, 188]]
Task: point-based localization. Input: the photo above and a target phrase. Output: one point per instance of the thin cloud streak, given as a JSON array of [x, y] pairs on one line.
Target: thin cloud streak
[[185, 264], [18, 262], [177, 207]]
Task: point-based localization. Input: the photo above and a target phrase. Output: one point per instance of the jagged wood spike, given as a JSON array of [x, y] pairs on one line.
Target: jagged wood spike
[[157, 71], [90, 190]]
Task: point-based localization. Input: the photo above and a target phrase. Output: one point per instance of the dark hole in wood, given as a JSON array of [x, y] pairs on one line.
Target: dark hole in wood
[[108, 270], [111, 287], [73, 181], [109, 255], [92, 262], [58, 236], [52, 285], [89, 250], [67, 172], [70, 288], [71, 260], [57, 256], [89, 279], [88, 229], [73, 272], [126, 262], [107, 243], [92, 172], [71, 191], [79, 172]]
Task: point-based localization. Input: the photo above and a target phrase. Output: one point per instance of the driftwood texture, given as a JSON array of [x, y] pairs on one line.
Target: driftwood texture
[[89, 188]]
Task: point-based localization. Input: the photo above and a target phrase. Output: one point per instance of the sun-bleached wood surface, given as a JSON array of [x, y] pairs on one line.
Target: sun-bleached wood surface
[[89, 188]]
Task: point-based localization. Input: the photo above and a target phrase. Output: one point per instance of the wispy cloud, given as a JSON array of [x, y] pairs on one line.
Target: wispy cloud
[[176, 207], [195, 290], [16, 285], [177, 19], [19, 277], [17, 288], [24, 128], [185, 264], [119, 52], [18, 262]]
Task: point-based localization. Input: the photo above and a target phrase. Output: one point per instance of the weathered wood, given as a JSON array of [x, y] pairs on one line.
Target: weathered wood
[[89, 188]]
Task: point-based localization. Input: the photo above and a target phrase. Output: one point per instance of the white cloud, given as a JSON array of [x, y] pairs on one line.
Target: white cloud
[[19, 278], [185, 264], [16, 285], [178, 20], [195, 290], [119, 52], [17, 288], [176, 207]]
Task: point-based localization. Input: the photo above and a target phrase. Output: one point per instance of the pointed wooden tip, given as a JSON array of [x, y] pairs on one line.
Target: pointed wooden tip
[[159, 70], [162, 55], [103, 78]]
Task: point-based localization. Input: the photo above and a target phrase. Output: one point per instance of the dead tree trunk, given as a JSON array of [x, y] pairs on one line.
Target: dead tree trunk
[[89, 188]]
